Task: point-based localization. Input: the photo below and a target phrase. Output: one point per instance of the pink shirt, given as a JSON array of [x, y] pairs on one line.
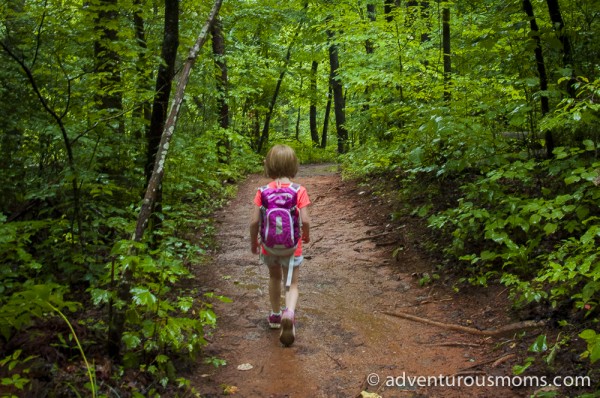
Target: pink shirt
[[303, 201]]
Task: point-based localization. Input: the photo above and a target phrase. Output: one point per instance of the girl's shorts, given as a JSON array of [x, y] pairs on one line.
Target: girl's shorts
[[283, 261]]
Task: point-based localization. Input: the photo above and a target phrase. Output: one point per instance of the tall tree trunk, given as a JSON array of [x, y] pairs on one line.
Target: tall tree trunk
[[559, 26], [264, 137], [117, 322], [541, 67], [298, 125], [145, 111], [339, 104], [425, 36], [256, 128], [326, 117], [369, 48], [312, 113], [447, 55], [107, 60], [218, 47], [164, 82]]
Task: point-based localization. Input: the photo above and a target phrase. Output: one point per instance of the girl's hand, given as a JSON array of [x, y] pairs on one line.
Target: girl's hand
[[255, 247]]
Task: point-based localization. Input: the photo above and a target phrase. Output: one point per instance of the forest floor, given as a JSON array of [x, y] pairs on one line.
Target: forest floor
[[360, 268]]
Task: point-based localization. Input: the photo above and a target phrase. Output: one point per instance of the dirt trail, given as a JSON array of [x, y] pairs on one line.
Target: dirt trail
[[348, 281]]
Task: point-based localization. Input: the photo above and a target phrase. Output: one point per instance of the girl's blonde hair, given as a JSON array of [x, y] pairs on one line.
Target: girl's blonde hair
[[281, 161]]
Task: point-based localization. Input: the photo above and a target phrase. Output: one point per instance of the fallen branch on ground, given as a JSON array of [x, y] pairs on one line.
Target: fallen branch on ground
[[513, 327]]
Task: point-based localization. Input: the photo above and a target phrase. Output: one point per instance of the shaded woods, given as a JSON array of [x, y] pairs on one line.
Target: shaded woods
[[122, 133]]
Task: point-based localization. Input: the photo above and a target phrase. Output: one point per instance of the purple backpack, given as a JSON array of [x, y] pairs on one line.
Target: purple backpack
[[280, 221]]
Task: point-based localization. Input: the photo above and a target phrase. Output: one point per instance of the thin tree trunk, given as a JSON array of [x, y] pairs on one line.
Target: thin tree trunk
[[218, 47], [107, 68], [369, 47], [117, 321], [326, 117], [447, 55], [559, 26], [298, 125], [164, 82], [541, 67], [425, 36], [370, 50], [145, 112], [264, 137], [314, 134], [338, 96]]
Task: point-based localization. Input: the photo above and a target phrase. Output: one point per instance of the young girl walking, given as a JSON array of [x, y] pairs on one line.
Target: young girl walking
[[281, 164]]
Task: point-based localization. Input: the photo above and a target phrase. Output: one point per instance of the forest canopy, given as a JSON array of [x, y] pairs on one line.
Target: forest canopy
[[482, 115]]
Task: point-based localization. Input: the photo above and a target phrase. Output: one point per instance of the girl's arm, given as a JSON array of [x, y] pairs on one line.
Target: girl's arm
[[254, 219], [305, 224]]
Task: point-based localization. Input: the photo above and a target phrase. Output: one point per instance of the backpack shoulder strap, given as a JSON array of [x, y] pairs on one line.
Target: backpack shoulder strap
[[295, 187]]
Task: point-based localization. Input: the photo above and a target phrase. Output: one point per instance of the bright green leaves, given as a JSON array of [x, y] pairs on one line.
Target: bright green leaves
[[593, 345], [512, 220], [32, 300]]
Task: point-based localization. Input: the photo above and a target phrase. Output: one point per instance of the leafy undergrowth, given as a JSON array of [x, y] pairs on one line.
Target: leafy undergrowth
[[55, 334], [561, 348], [506, 219]]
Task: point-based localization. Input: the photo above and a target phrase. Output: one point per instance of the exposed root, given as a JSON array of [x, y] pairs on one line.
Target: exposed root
[[503, 359], [504, 330]]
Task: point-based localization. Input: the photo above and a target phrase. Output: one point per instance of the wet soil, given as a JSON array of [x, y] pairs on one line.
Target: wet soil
[[359, 266]]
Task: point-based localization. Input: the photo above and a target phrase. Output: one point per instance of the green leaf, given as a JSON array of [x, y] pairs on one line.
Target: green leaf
[[590, 234], [540, 344], [131, 341], [535, 219], [143, 296], [589, 145], [550, 228], [519, 369], [595, 352], [588, 335], [572, 179]]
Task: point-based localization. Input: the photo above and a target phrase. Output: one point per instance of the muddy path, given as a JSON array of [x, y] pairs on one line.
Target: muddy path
[[344, 338]]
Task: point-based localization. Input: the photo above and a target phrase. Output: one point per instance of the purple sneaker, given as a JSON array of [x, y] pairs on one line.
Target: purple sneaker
[[288, 328], [275, 320]]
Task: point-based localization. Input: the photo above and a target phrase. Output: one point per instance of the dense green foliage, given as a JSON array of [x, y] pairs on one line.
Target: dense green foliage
[[475, 166], [466, 147]]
